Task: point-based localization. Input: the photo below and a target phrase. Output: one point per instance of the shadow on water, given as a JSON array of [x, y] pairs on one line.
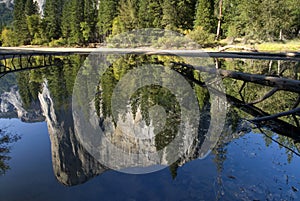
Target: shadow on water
[[48, 92]]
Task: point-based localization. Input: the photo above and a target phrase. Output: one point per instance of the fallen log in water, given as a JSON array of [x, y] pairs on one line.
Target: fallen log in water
[[277, 125], [277, 82], [275, 116], [270, 81]]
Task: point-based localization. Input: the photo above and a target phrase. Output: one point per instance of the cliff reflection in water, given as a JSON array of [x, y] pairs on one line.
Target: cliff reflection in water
[[150, 110]]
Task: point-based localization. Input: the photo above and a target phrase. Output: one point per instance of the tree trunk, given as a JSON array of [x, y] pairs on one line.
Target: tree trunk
[[280, 35], [276, 82], [219, 20]]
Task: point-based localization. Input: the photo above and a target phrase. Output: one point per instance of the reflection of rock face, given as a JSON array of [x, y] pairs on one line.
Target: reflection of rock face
[[131, 145], [72, 164], [11, 106]]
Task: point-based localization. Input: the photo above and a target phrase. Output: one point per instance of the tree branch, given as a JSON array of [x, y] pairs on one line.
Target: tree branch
[[268, 95], [275, 116], [270, 81]]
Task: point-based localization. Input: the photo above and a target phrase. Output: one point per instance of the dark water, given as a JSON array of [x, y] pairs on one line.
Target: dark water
[[48, 162]]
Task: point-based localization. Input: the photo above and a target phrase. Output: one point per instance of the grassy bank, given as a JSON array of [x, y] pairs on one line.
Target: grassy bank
[[287, 46]]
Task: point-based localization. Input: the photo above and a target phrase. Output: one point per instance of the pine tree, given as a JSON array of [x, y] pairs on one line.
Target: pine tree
[[20, 23], [107, 13], [66, 19], [205, 15], [150, 13], [128, 14], [31, 8], [178, 14], [232, 25], [32, 19], [77, 17], [90, 20], [52, 19], [170, 16]]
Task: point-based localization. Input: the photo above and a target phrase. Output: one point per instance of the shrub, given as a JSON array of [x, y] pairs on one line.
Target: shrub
[[8, 38], [202, 37], [57, 43]]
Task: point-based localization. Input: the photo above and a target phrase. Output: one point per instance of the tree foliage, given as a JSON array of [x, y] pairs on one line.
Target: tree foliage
[[52, 19], [205, 15], [106, 14], [80, 22]]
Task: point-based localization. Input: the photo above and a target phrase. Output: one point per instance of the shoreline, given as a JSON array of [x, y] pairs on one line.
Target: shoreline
[[9, 52]]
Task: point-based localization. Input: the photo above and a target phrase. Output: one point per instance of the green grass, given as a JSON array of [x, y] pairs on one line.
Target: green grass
[[288, 46]]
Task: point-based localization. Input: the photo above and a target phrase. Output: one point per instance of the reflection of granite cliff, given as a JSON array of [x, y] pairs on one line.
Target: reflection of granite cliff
[[11, 106], [72, 164], [127, 143]]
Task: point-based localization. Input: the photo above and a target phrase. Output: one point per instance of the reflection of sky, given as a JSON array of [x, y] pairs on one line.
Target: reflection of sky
[[251, 171]]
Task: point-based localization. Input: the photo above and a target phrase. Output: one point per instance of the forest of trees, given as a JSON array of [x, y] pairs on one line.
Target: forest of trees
[[81, 22]]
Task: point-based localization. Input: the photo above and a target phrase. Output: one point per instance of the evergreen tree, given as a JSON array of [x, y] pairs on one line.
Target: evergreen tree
[[52, 19], [66, 19], [170, 16], [295, 17], [32, 19], [178, 14], [90, 20], [31, 8], [128, 14], [107, 13], [20, 23], [77, 17], [262, 19], [150, 13], [232, 26], [205, 15], [186, 13]]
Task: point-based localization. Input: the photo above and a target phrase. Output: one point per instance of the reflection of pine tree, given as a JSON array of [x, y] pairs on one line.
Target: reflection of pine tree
[[173, 169], [6, 139], [28, 90], [220, 157]]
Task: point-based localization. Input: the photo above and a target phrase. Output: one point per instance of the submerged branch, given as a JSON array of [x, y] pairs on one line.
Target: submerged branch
[[275, 116]]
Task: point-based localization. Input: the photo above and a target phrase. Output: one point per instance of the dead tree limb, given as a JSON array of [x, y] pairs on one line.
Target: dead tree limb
[[240, 91], [296, 120], [277, 82], [271, 121], [222, 49], [276, 125], [275, 116], [297, 102], [265, 97], [270, 81]]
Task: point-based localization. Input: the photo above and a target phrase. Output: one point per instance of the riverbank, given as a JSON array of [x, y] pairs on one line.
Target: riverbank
[[7, 52], [268, 47]]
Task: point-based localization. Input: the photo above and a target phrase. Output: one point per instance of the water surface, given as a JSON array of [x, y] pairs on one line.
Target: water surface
[[48, 162]]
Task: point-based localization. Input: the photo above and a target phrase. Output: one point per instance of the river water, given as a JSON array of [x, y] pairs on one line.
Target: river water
[[45, 118]]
